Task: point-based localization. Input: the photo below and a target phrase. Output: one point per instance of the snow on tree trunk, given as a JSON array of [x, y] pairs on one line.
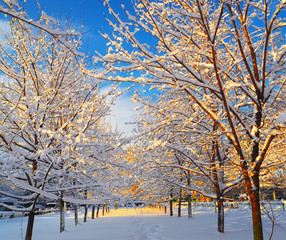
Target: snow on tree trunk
[[253, 186]]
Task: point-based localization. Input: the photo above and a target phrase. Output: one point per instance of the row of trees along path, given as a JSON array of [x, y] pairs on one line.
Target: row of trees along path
[[55, 142], [226, 59], [217, 120]]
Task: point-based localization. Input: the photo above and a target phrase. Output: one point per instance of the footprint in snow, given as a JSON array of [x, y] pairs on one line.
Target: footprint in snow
[[143, 231]]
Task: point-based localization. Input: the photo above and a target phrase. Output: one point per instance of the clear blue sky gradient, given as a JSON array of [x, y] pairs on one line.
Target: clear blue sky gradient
[[89, 13], [92, 14]]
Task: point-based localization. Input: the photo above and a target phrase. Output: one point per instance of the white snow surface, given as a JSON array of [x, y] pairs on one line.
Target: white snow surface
[[143, 224]]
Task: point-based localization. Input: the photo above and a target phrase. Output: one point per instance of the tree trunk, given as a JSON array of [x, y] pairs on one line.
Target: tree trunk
[[97, 211], [165, 210], [253, 189], [171, 208], [85, 213], [62, 213], [171, 205], [215, 206], [189, 206], [253, 185], [220, 215], [218, 178], [75, 215], [30, 225], [106, 209], [31, 219], [93, 211], [256, 216], [180, 204], [102, 209]]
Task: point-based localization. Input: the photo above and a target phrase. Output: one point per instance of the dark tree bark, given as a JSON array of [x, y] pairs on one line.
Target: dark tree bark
[[31, 219], [218, 177], [93, 211], [97, 211], [171, 203], [62, 213], [220, 215], [256, 217], [30, 225], [253, 192], [75, 215], [102, 209], [255, 207], [85, 213], [189, 206], [107, 207], [180, 204]]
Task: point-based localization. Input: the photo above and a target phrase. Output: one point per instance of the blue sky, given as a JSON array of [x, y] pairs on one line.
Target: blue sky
[[89, 13]]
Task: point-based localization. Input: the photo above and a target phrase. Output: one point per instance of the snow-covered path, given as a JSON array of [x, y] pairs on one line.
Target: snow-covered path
[[141, 230], [142, 224]]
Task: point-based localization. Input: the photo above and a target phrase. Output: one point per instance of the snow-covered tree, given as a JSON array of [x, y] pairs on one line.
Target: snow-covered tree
[[44, 22], [199, 155], [230, 52], [51, 113]]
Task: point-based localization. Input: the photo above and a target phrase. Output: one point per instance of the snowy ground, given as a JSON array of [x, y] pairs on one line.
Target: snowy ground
[[143, 224]]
